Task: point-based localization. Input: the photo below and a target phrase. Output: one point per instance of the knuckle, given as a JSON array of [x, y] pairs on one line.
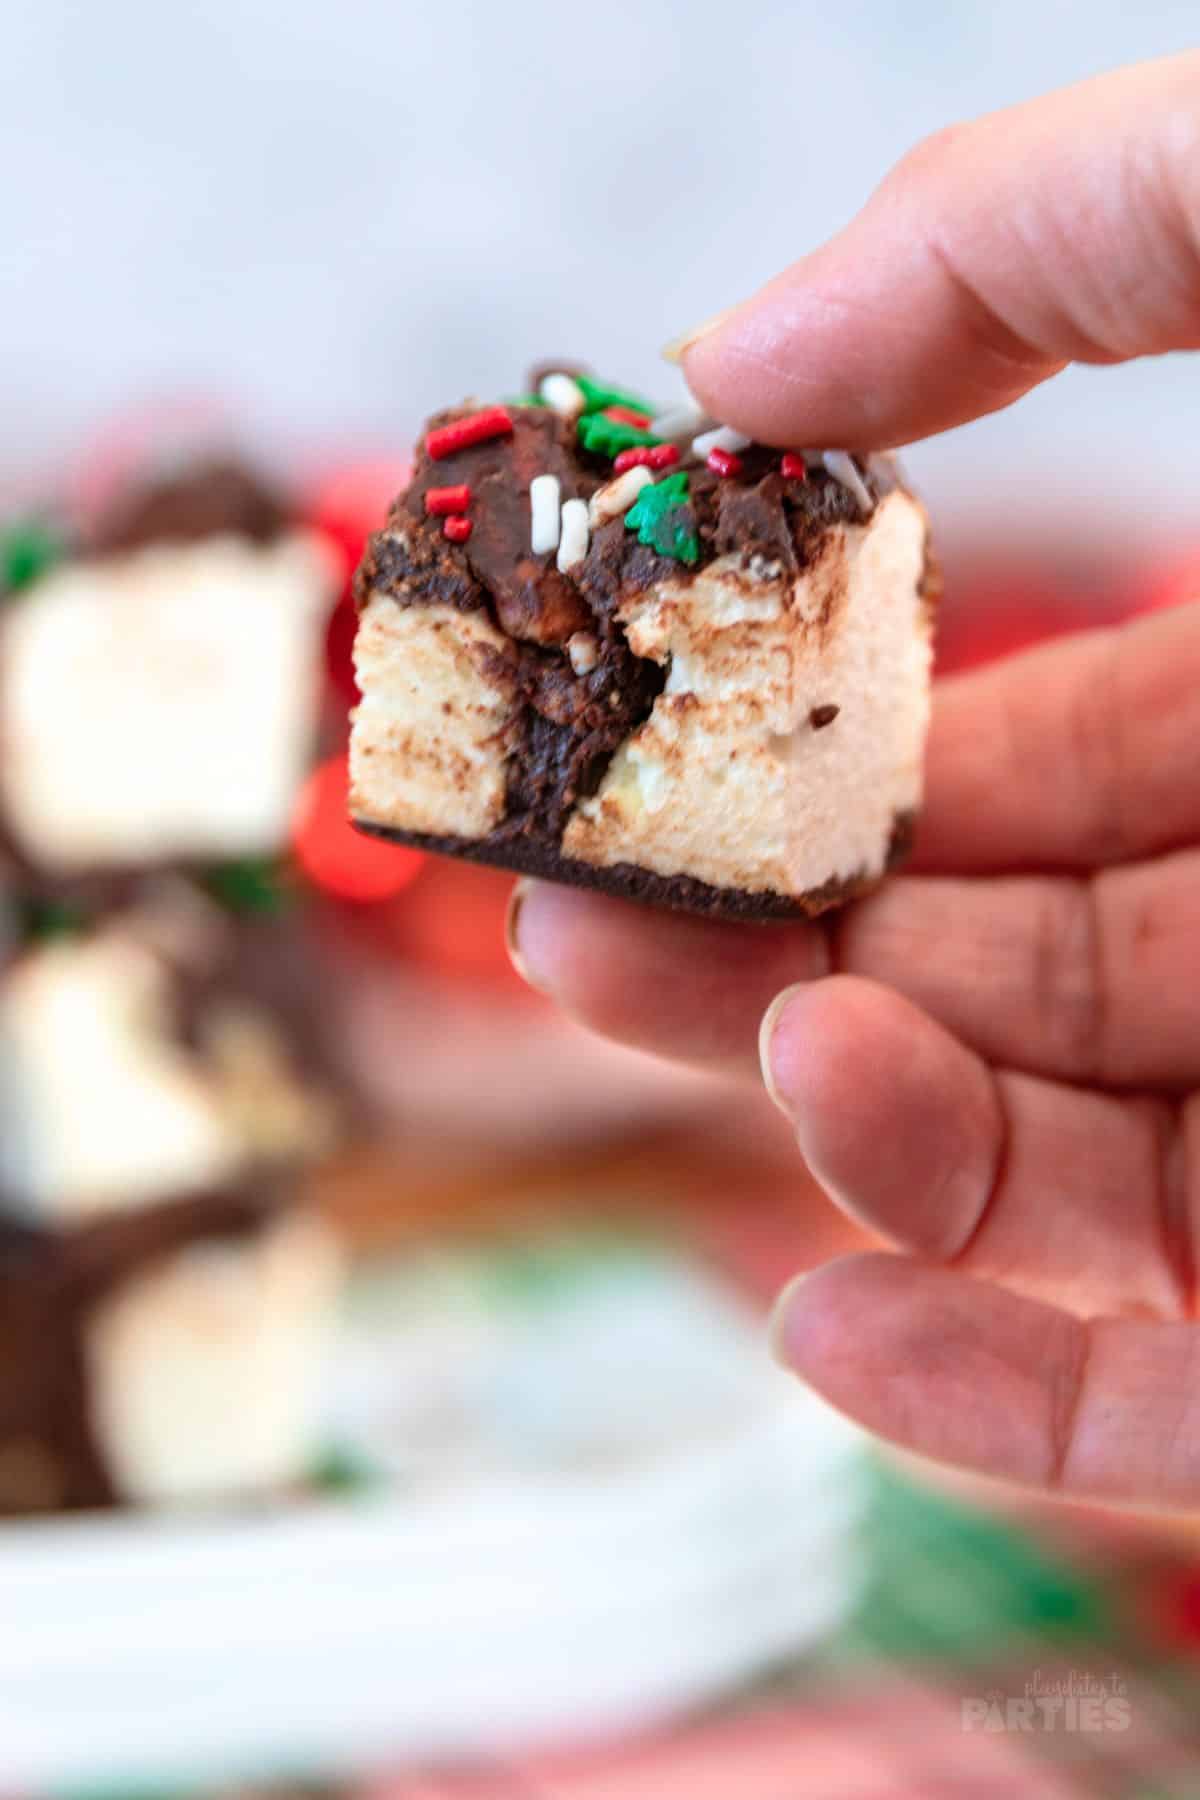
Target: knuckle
[[931, 156]]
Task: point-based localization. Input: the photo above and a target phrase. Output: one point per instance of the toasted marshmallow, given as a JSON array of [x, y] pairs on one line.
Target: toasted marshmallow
[[781, 757], [203, 1369], [731, 780], [104, 1107], [159, 704], [101, 1107], [428, 752]]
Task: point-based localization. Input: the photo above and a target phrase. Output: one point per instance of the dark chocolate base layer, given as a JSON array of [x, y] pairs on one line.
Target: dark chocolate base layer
[[529, 855]]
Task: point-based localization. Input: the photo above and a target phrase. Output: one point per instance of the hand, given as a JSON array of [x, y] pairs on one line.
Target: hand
[[995, 1061]]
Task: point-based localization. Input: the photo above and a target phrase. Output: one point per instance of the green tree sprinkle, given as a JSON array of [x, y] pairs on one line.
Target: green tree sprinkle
[[663, 519]]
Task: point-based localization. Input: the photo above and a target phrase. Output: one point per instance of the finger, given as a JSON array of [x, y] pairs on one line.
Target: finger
[[1078, 1196], [934, 306], [1076, 980], [968, 1374], [1075, 754], [677, 986]]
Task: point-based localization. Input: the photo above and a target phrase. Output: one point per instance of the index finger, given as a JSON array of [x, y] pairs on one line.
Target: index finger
[[1066, 230]]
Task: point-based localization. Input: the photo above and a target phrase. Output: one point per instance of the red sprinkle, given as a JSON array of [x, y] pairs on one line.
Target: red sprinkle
[[476, 428], [456, 528], [447, 499], [625, 415], [645, 456], [724, 462], [793, 466]]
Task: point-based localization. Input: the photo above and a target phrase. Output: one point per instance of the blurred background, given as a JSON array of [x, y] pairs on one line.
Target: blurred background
[[383, 1401], [342, 216]]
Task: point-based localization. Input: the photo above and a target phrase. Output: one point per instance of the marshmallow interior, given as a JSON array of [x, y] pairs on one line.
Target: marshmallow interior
[[427, 752], [730, 780], [102, 1109], [204, 1368], [160, 704]]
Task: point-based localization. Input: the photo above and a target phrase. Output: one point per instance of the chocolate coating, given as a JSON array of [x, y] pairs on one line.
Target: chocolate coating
[[525, 593], [208, 498]]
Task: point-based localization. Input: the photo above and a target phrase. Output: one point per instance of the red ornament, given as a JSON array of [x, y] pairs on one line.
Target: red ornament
[[724, 462], [662, 456], [1186, 1609], [345, 505], [451, 922], [1171, 585], [456, 528], [334, 856], [448, 499], [461, 434], [1002, 607], [352, 501], [340, 634], [793, 466], [625, 415]]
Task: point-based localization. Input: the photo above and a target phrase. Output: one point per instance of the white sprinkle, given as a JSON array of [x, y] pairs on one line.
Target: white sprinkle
[[573, 543], [679, 422], [619, 495], [562, 395], [841, 466], [583, 651], [723, 438], [890, 465], [763, 568], [543, 513]]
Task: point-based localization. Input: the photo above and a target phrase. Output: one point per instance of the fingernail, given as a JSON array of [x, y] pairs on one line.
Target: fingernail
[[675, 350], [766, 1035], [779, 1323], [512, 923]]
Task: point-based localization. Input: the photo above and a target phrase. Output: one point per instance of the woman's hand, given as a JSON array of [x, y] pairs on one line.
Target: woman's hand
[[995, 1061]]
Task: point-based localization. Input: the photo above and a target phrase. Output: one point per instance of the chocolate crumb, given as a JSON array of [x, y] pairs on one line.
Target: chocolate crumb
[[821, 716]]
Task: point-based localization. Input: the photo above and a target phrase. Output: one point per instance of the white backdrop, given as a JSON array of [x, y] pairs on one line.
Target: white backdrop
[[342, 215]]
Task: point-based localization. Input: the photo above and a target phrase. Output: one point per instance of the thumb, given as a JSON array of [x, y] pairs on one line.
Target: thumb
[[1066, 230]]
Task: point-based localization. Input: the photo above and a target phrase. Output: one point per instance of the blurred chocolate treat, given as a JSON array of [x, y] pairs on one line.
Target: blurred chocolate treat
[[211, 498], [164, 1082], [162, 1355], [145, 1057], [160, 690]]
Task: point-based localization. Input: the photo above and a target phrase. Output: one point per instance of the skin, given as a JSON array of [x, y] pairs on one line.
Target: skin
[[994, 1063]]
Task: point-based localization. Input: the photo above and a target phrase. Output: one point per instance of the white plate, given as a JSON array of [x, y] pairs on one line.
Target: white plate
[[562, 1560]]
